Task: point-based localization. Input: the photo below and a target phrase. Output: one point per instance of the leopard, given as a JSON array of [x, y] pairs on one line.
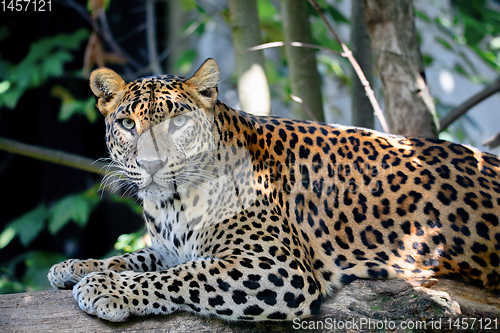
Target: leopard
[[261, 218]]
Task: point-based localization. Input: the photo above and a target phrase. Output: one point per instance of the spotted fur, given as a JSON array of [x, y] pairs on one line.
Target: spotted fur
[[320, 207]]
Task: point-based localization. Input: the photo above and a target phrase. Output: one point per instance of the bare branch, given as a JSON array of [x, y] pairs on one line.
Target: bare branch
[[295, 44], [53, 156], [80, 10], [183, 36], [364, 82], [468, 104], [301, 102], [105, 32], [492, 142]]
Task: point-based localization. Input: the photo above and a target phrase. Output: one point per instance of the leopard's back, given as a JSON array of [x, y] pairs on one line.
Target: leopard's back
[[370, 205]]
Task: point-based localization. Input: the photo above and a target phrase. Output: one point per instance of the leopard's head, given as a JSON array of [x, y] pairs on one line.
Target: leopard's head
[[159, 128]]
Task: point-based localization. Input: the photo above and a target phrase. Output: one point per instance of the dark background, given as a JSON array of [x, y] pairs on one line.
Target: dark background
[[27, 182]]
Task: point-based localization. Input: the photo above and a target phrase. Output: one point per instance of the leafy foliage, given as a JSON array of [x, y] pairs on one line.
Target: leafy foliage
[[270, 21], [45, 59], [36, 263], [71, 106], [26, 227], [74, 208], [471, 31], [132, 242], [185, 60], [475, 25], [481, 29]]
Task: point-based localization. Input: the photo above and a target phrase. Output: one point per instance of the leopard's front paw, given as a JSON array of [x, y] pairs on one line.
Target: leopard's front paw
[[104, 295], [67, 273]]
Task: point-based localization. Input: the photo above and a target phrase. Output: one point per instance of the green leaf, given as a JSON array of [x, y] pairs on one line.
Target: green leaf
[[266, 10], [200, 30], [27, 227], [479, 22], [46, 59], [6, 236], [54, 65], [89, 109], [71, 106], [185, 60], [336, 15], [460, 69], [4, 86], [76, 208], [444, 43], [131, 242], [427, 59], [10, 98], [188, 5], [38, 264], [321, 36], [422, 16], [67, 110]]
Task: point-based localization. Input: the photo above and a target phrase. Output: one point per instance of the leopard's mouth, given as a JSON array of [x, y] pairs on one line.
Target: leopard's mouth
[[154, 192], [179, 181]]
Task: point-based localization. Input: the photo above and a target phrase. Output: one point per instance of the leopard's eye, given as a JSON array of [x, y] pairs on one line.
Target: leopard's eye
[[179, 120], [128, 123]]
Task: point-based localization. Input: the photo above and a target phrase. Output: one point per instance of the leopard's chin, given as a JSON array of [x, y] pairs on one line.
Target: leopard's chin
[[155, 192]]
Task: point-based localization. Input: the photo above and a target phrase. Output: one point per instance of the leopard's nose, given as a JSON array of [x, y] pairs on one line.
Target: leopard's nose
[[151, 167]]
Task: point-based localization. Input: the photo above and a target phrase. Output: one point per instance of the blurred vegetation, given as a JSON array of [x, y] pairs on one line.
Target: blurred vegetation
[[46, 59], [481, 31], [472, 27], [47, 64]]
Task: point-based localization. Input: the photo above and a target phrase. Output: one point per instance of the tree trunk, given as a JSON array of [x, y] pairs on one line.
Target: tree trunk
[[362, 114], [173, 27], [408, 104], [304, 77], [151, 36], [253, 89]]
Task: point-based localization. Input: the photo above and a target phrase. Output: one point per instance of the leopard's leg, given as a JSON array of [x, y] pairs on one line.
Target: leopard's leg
[[234, 288], [420, 266], [67, 273]]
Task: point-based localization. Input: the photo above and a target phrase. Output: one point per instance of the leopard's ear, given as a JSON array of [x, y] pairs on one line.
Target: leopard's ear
[[205, 81], [107, 86]]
